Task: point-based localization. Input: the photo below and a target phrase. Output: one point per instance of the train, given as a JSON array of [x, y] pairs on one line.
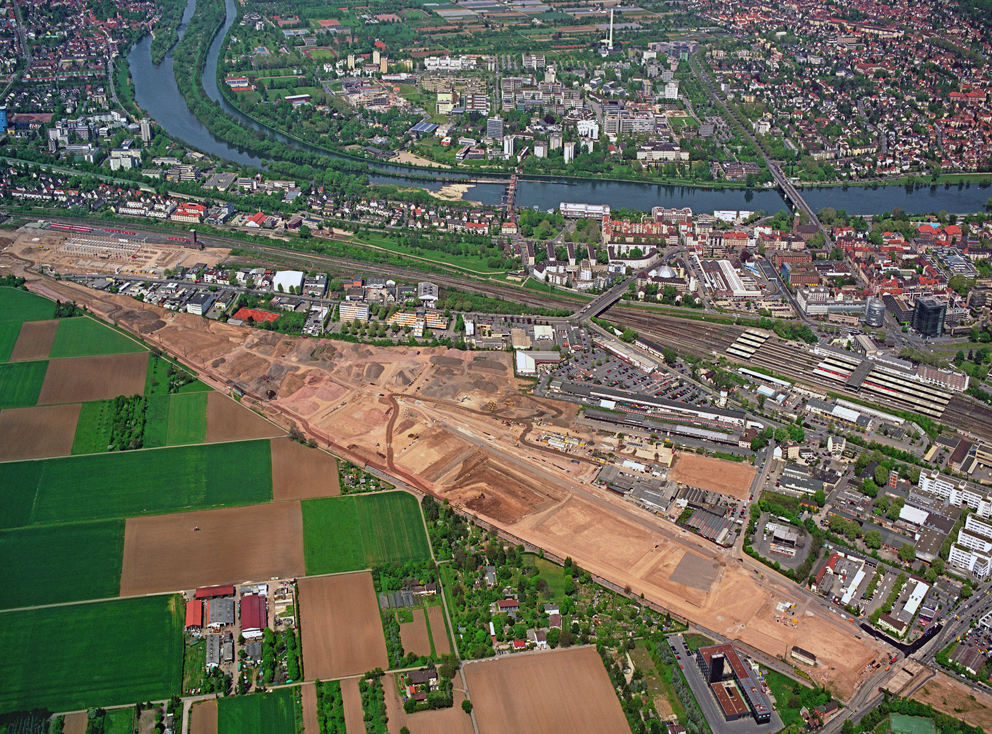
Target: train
[[71, 228], [119, 231]]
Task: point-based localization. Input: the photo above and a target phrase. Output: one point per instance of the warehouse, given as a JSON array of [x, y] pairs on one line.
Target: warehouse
[[254, 615], [714, 662]]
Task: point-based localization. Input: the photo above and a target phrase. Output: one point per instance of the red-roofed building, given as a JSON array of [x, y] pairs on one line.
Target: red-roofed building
[[259, 317], [520, 644], [254, 615], [214, 592], [194, 614], [256, 220]]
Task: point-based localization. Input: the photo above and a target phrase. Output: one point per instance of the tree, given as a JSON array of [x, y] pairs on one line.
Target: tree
[[467, 706], [304, 232], [873, 539], [881, 475], [907, 553], [820, 497], [966, 591], [628, 336]]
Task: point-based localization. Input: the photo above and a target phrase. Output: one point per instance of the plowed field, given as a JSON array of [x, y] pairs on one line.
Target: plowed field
[[82, 379], [166, 552], [340, 626], [229, 421], [37, 433], [301, 473], [34, 341]]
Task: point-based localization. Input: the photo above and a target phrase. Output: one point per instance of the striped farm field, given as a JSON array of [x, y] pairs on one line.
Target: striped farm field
[[129, 483], [17, 306], [187, 418], [85, 337], [261, 713], [9, 332], [102, 654], [355, 532], [61, 563], [20, 383]]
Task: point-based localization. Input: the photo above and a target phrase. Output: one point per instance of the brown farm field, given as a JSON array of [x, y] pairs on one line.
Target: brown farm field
[[414, 635], [308, 700], [75, 723], [558, 692], [951, 697], [299, 472], [82, 379], [229, 421], [340, 626], [37, 433], [354, 717], [438, 630], [234, 544], [34, 341], [715, 475], [203, 717], [441, 721]]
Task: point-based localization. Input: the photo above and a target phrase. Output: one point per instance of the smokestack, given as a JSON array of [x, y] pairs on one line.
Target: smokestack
[[610, 44]]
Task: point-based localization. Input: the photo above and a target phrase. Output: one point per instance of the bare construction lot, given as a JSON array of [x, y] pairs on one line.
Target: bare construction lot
[[714, 475], [559, 692], [37, 433], [234, 544], [340, 626]]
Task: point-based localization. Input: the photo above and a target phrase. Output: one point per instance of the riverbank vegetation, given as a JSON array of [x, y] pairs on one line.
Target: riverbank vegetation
[[166, 30]]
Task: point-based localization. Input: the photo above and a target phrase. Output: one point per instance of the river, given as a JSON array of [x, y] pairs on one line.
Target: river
[[157, 93]]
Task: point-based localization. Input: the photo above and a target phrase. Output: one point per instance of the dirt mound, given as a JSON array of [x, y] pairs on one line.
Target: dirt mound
[[247, 366], [446, 362], [218, 362], [402, 379], [373, 372], [483, 386], [484, 365], [150, 327], [292, 383]]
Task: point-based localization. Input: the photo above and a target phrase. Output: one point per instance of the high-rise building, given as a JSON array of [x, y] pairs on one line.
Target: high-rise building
[[509, 144], [351, 61], [146, 130], [928, 316], [383, 64], [569, 152], [494, 127], [3, 119], [875, 313]]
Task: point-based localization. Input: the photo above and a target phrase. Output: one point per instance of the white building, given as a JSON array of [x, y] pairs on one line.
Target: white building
[[569, 150], [287, 281], [509, 145], [957, 492], [588, 129], [672, 90], [973, 551], [427, 293]]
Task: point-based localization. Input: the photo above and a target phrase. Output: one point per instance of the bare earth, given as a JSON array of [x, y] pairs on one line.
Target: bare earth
[[436, 617], [414, 635], [34, 340], [203, 717], [235, 544], [558, 692], [406, 156], [954, 698], [308, 698], [714, 475], [423, 415], [300, 473], [228, 421], [75, 723], [340, 626], [38, 432], [81, 379], [441, 721], [354, 717]]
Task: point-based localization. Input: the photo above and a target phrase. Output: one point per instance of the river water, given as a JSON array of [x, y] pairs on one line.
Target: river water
[[157, 93]]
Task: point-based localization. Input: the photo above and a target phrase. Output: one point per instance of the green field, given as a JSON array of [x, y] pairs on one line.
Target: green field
[[193, 387], [17, 306], [20, 383], [93, 428], [119, 721], [156, 421], [552, 573], [268, 713], [9, 331], [86, 337], [102, 654], [187, 418], [361, 531], [61, 563], [123, 484]]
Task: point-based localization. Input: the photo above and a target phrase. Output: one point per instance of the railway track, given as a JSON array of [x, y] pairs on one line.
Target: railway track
[[699, 338]]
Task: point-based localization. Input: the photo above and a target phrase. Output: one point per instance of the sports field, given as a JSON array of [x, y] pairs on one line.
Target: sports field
[[8, 337], [20, 383], [85, 337], [17, 306], [102, 654], [61, 563], [264, 713], [361, 531], [187, 419], [125, 484]]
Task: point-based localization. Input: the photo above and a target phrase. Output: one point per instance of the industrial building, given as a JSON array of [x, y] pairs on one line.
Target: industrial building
[[734, 685]]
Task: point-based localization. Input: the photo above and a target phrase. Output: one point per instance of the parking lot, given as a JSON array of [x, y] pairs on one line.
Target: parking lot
[[602, 368]]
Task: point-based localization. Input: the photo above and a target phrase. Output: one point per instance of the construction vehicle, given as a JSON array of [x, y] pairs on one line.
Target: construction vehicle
[[492, 407]]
